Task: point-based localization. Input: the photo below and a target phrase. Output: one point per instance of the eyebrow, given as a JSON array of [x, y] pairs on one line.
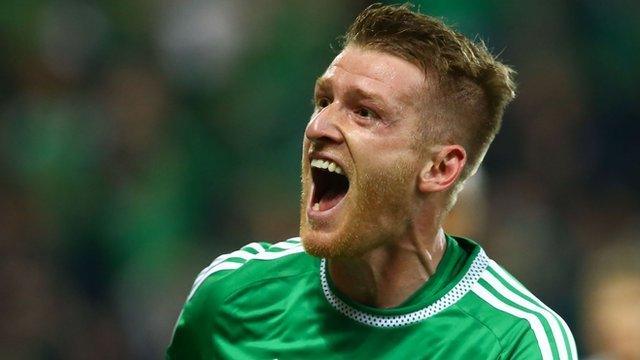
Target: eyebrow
[[323, 84]]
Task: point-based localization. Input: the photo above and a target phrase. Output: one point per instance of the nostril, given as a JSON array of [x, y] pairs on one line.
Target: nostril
[[322, 140]]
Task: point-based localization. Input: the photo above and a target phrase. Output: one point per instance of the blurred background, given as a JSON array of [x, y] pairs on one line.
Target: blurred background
[[141, 139]]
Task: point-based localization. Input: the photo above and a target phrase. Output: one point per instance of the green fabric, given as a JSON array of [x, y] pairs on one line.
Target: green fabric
[[268, 301]]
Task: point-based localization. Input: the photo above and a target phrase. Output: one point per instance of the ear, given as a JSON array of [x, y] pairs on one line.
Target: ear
[[443, 169]]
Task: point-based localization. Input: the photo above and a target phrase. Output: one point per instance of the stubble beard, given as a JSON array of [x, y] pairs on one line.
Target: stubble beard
[[377, 212]]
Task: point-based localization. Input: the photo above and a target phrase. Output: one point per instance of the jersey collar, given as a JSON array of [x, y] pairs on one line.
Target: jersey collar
[[403, 316]]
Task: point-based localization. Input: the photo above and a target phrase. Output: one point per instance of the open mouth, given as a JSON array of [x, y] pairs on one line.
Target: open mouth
[[330, 184]]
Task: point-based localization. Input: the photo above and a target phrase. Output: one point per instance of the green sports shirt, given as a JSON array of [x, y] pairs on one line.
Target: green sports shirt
[[275, 301]]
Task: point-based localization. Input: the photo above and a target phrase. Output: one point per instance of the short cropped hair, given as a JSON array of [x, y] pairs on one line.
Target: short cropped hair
[[472, 87]]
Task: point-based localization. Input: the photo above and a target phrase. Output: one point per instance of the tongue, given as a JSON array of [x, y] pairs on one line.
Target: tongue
[[330, 199]]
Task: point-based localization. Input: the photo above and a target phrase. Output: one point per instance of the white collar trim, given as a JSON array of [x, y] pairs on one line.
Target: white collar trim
[[478, 266]]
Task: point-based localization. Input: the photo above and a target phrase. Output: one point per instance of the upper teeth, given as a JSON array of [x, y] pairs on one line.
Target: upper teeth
[[325, 164]]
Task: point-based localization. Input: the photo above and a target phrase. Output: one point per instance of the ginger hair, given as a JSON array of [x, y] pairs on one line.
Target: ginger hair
[[470, 89]]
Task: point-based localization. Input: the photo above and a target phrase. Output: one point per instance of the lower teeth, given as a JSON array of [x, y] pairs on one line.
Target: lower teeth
[[316, 206]]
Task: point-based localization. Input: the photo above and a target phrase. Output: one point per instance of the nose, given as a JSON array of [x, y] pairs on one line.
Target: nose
[[323, 126]]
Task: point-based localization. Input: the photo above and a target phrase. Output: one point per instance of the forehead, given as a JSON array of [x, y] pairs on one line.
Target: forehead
[[376, 71]]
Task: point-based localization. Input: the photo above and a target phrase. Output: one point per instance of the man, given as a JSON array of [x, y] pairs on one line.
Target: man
[[403, 116]]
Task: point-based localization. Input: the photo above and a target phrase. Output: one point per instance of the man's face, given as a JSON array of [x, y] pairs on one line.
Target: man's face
[[365, 128]]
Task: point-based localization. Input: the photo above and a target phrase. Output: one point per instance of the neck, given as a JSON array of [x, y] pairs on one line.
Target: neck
[[387, 276]]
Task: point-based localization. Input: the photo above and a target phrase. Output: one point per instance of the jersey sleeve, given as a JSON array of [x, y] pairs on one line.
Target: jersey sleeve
[[192, 331], [192, 335], [524, 343], [522, 346]]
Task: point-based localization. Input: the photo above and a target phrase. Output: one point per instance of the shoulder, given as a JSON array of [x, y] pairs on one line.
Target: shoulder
[[247, 268], [253, 263], [524, 326]]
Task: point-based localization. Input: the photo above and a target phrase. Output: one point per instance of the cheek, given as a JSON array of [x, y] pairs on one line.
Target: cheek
[[384, 156]]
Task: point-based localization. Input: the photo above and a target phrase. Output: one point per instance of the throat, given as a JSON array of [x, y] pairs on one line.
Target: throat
[[371, 287], [386, 277]]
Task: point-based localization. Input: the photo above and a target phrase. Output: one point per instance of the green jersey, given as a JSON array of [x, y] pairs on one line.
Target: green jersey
[[277, 302]]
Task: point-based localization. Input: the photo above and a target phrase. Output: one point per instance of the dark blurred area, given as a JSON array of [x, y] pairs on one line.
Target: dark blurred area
[[141, 139]]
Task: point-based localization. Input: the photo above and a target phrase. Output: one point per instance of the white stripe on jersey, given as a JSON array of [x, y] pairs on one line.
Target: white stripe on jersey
[[255, 246], [219, 263], [553, 323], [536, 325], [509, 279], [285, 245]]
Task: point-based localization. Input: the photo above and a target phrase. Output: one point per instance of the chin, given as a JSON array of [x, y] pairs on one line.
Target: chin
[[339, 244], [318, 244], [323, 245]]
